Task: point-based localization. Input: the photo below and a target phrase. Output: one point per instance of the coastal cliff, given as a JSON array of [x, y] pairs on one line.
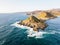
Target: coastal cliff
[[37, 19], [34, 23]]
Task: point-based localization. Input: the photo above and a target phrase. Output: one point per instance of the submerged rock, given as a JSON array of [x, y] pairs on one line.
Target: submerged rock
[[34, 23]]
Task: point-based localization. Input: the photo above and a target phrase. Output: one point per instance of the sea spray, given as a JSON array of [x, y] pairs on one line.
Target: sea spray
[[31, 33]]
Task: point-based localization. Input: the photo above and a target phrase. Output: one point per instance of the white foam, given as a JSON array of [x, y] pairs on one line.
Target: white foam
[[36, 34], [20, 26], [32, 33]]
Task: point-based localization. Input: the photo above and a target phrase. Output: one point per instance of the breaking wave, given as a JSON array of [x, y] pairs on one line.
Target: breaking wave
[[31, 33]]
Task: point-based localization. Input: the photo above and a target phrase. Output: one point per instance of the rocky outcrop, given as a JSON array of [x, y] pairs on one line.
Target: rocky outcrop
[[34, 23]]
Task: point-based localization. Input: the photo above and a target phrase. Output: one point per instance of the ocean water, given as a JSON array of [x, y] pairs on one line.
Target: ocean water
[[11, 34]]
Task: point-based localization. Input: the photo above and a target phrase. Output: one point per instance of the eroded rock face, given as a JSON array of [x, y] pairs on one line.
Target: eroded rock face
[[34, 23]]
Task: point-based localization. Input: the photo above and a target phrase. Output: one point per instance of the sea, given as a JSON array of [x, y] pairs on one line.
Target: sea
[[13, 34]]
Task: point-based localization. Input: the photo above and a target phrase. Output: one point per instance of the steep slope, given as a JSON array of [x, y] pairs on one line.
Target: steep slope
[[34, 23]]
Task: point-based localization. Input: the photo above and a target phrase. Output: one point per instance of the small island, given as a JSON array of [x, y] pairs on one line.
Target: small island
[[34, 23]]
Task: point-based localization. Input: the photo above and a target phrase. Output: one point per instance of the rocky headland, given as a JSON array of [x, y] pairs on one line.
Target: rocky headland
[[36, 19], [34, 23]]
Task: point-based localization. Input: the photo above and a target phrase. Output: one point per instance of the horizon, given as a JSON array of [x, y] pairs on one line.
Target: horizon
[[9, 6]]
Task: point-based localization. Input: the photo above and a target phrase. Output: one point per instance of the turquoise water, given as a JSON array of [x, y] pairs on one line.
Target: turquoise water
[[11, 35]]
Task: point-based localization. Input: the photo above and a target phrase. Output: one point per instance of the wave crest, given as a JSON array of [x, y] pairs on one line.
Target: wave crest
[[32, 33]]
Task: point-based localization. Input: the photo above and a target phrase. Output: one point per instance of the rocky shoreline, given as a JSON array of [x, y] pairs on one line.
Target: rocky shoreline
[[34, 23], [36, 20]]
